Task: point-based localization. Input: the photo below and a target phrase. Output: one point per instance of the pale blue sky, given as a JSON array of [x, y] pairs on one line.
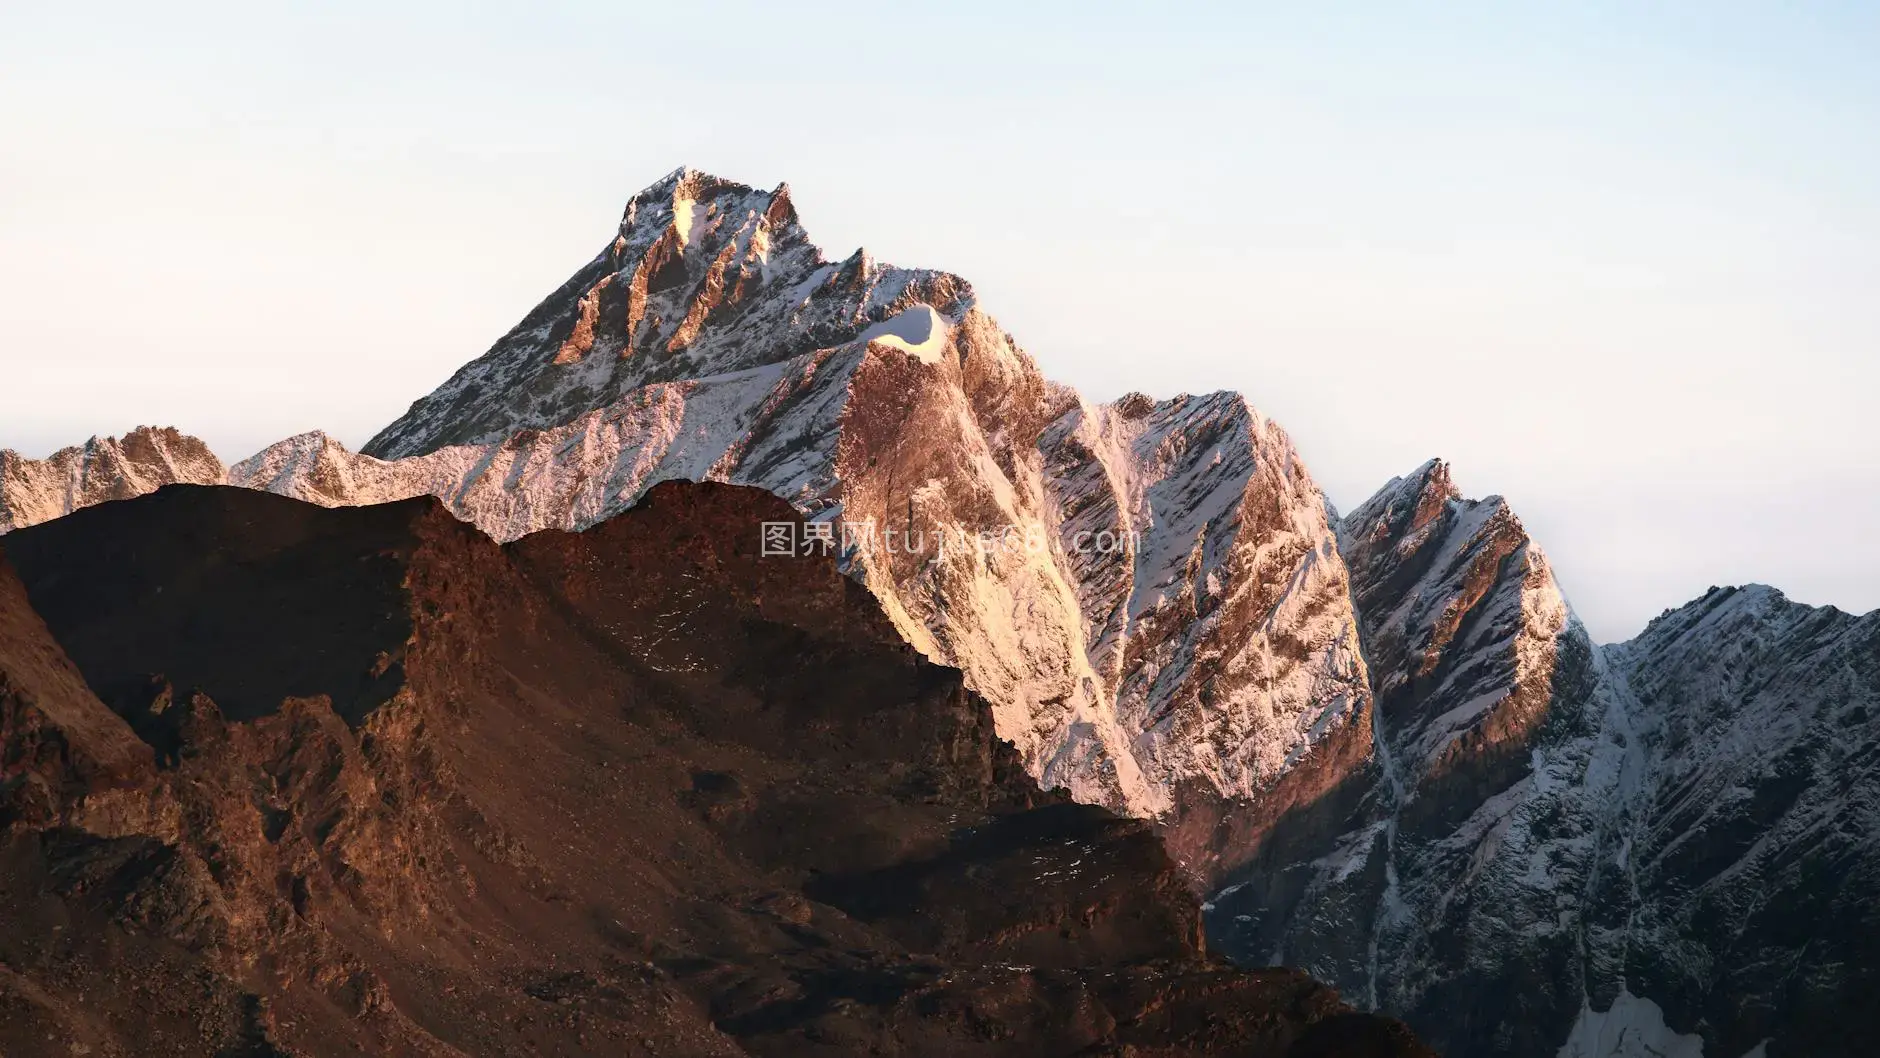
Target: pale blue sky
[[1619, 262]]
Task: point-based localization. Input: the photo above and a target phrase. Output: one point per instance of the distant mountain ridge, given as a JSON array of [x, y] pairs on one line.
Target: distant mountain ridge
[[1382, 742], [100, 470]]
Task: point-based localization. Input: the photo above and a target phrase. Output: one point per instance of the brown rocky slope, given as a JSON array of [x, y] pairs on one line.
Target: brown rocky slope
[[360, 780]]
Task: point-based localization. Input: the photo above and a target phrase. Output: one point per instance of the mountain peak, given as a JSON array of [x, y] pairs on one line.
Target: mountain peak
[[1424, 493], [685, 177], [705, 278], [1433, 482], [687, 201]]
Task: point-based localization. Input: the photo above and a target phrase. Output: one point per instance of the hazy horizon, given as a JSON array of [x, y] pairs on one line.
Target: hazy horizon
[[1615, 265]]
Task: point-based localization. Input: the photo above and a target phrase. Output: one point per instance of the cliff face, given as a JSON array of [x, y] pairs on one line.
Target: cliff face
[[364, 779], [56, 739]]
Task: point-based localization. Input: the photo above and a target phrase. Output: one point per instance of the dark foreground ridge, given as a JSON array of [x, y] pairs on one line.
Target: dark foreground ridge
[[282, 780]]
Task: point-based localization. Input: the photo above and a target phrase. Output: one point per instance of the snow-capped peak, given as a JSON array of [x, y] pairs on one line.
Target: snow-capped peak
[[1386, 735]]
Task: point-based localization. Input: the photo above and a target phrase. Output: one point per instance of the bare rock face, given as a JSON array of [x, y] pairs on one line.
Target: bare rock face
[[365, 780], [1464, 626], [111, 468]]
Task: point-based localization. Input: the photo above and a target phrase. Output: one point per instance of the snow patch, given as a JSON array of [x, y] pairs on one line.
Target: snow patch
[[686, 214], [1633, 1028], [920, 332]]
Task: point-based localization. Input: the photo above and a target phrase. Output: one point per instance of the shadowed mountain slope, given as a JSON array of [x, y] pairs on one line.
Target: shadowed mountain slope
[[633, 791]]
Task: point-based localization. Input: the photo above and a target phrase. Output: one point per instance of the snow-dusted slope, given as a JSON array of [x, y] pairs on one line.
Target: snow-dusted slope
[[1665, 846], [101, 469], [1755, 854], [1443, 881], [1463, 628], [1630, 1028]]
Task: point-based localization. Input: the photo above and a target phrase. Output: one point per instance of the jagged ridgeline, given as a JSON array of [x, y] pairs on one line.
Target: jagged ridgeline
[[1381, 744]]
